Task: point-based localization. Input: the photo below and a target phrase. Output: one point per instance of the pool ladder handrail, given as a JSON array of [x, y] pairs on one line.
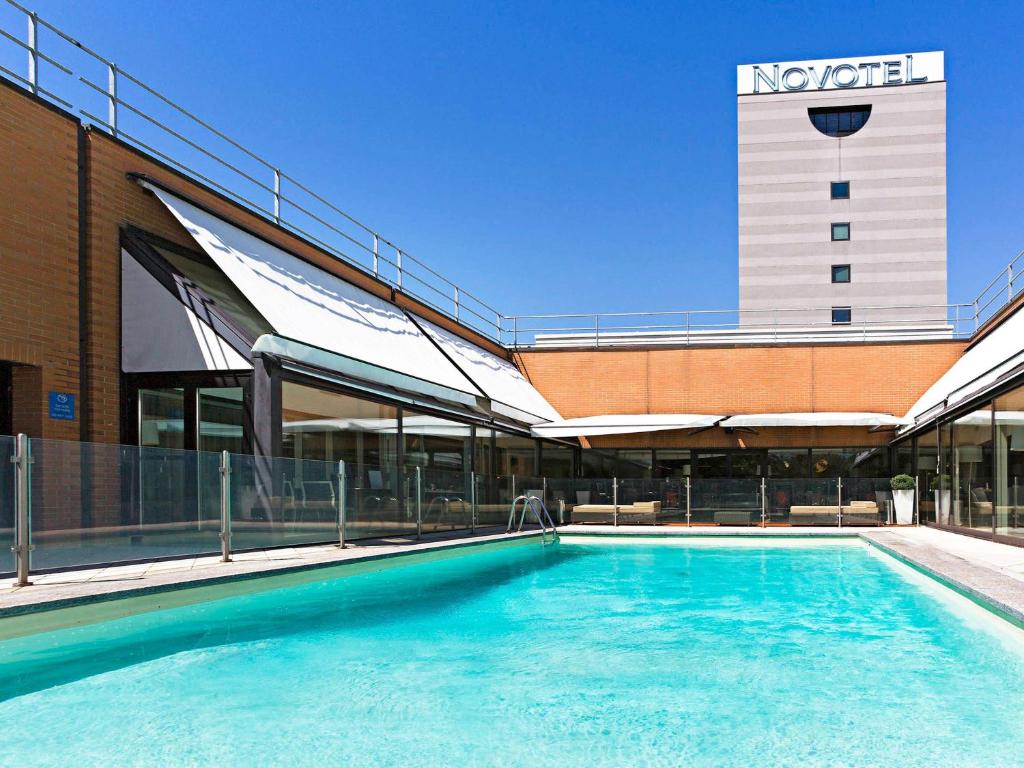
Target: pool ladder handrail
[[540, 512]]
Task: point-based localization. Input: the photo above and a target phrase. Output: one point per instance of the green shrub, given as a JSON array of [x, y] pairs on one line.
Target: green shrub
[[902, 483]]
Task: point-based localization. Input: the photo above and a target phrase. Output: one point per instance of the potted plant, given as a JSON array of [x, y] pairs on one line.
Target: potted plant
[[903, 498], [942, 496]]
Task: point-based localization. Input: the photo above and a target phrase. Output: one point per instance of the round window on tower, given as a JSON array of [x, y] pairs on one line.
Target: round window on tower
[[839, 121]]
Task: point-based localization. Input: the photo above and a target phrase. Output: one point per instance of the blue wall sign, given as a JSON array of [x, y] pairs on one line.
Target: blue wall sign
[[62, 406]]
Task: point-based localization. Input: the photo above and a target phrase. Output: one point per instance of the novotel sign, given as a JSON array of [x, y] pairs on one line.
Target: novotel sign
[[832, 74]]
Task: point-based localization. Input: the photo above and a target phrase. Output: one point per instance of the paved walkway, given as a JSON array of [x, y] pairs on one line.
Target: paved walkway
[[67, 588], [988, 572]]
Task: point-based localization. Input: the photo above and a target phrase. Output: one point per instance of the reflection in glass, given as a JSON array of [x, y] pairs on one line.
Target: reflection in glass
[[1009, 457], [162, 418], [790, 462], [674, 464], [972, 481], [556, 461]]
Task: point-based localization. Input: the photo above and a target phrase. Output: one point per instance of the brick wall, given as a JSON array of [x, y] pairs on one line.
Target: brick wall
[[885, 378], [39, 258]]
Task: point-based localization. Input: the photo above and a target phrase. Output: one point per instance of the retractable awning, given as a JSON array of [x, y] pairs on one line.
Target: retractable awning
[[321, 322], [509, 391], [619, 424], [814, 419], [994, 359]]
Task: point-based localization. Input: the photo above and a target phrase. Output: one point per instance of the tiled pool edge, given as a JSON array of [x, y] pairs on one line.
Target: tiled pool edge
[[416, 552], [1010, 611]]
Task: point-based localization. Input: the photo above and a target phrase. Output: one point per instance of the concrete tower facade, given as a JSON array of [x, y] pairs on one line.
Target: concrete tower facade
[[842, 192]]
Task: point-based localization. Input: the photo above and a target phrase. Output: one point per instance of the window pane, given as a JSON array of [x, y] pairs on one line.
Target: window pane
[[1009, 463], [841, 273], [162, 418], [841, 316], [840, 190], [435, 443], [328, 426], [674, 464], [972, 467], [515, 455], [840, 231], [839, 121]]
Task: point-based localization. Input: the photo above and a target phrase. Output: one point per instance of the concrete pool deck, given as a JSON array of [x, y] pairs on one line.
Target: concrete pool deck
[[990, 573]]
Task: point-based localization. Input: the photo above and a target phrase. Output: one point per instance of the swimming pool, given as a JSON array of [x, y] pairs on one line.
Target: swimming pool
[[596, 654]]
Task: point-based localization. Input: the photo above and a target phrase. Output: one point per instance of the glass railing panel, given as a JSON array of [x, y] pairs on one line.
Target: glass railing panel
[[98, 503], [866, 501], [725, 501], [380, 501], [650, 502], [447, 500], [7, 447], [282, 502], [803, 501]]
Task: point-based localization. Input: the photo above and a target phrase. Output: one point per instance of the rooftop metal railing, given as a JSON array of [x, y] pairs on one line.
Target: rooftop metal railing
[[777, 325], [79, 79], [68, 73]]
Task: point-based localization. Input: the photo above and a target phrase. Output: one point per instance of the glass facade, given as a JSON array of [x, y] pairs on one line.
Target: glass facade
[[970, 469], [326, 427], [1009, 464]]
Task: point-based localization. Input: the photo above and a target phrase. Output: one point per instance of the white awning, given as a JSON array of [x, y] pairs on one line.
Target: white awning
[[818, 419], [980, 367], [509, 391], [619, 424], [160, 333], [308, 305]]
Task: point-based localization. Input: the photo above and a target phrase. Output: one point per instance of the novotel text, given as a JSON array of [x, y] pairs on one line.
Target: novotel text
[[885, 72]]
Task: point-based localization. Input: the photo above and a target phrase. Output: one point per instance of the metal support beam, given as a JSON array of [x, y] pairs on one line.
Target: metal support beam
[[22, 460], [615, 501], [112, 98], [342, 492], [839, 487], [33, 53], [419, 503], [472, 502], [764, 504], [277, 196], [225, 507]]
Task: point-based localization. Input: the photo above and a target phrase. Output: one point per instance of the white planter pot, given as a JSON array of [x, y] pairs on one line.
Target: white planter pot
[[904, 503], [942, 507]]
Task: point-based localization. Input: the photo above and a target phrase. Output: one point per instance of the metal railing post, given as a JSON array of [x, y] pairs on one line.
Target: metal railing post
[[615, 501], [513, 486], [419, 503], [455, 290], [277, 196], [839, 510], [472, 502], [342, 493], [917, 500], [398, 265], [33, 52], [112, 98], [597, 330], [687, 502], [376, 255], [1009, 282], [225, 507], [22, 460], [764, 504]]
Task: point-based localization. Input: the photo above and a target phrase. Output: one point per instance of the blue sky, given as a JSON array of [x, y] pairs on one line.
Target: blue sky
[[560, 156]]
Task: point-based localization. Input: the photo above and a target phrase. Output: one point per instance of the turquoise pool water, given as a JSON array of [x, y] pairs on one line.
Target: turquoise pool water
[[575, 655]]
